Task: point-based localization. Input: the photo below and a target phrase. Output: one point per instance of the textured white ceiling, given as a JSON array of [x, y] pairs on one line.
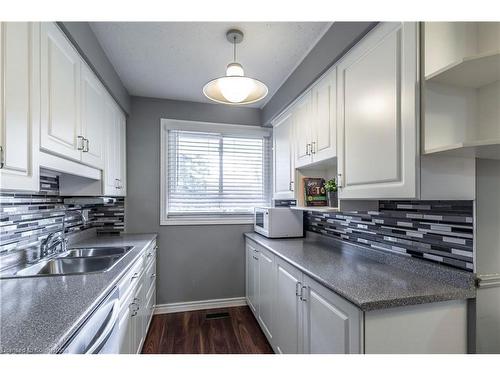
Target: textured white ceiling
[[175, 59]]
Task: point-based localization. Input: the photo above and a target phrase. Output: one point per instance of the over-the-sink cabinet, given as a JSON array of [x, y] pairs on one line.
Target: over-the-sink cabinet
[[55, 113], [61, 128], [19, 105], [283, 157], [377, 115], [93, 118], [72, 122]]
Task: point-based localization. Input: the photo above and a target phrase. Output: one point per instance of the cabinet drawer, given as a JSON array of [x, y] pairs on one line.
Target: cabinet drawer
[[130, 279], [149, 254], [150, 275]]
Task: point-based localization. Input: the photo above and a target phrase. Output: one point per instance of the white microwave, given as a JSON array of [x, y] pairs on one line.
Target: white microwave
[[278, 222]]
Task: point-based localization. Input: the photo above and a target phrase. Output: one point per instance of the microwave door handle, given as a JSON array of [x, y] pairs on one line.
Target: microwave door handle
[[106, 333]]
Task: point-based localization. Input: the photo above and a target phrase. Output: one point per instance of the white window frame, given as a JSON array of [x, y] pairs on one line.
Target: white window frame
[[172, 124]]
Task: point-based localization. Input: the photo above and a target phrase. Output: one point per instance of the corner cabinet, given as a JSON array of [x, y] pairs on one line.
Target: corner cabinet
[[377, 115], [19, 105], [283, 157]]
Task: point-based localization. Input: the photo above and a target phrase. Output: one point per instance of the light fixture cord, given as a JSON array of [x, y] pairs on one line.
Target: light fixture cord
[[234, 48]]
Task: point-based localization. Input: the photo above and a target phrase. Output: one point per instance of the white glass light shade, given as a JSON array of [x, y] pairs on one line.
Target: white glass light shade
[[235, 88]]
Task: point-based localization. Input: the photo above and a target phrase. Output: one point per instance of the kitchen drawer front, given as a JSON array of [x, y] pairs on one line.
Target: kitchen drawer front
[[149, 254], [150, 275], [128, 282]]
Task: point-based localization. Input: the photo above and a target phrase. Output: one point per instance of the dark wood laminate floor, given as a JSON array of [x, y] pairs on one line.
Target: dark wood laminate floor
[[191, 333]]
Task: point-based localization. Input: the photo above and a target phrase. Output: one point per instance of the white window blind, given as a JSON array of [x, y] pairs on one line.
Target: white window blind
[[216, 174]]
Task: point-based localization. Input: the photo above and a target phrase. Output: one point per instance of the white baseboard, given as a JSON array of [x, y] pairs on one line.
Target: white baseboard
[[168, 308]]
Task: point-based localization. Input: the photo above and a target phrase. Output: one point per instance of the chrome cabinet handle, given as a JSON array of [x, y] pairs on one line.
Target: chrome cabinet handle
[[81, 141], [149, 254], [302, 298], [297, 288], [2, 163], [135, 276], [307, 149], [340, 182], [291, 186], [153, 275], [254, 257], [313, 148], [87, 148]]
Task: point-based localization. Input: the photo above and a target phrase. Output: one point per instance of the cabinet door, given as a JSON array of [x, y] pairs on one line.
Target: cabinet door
[[377, 115], [111, 149], [324, 130], [302, 130], [19, 105], [93, 118], [125, 330], [267, 282], [122, 165], [288, 313], [252, 277], [331, 324], [137, 319], [60, 94], [284, 171]]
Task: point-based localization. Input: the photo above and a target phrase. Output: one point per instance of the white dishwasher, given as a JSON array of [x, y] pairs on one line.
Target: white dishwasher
[[99, 333]]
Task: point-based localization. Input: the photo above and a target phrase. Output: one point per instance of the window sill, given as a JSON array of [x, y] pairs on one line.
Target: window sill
[[207, 221]]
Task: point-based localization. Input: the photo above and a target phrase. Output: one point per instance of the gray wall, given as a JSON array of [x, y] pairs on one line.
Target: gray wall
[[87, 44], [332, 46], [194, 262]]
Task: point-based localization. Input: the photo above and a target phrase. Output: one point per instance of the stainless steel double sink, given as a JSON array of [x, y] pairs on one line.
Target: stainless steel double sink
[[77, 261]]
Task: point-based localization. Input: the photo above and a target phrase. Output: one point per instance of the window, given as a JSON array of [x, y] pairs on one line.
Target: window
[[213, 173]]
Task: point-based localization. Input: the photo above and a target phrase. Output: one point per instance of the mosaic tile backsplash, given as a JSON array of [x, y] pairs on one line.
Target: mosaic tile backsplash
[[437, 231], [25, 219]]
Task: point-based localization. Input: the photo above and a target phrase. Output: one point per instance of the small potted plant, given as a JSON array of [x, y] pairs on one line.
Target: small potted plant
[[331, 192]]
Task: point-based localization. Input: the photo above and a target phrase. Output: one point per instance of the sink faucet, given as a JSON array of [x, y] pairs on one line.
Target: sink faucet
[[53, 239]]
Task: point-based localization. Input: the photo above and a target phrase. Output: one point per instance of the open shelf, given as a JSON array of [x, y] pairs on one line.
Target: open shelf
[[319, 209], [488, 149], [472, 72]]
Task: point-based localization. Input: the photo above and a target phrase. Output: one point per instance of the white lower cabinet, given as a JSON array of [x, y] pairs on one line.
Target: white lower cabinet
[[288, 308], [252, 276], [330, 323], [137, 301], [299, 315]]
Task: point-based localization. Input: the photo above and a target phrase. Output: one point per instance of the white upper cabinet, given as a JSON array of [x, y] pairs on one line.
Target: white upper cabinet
[[302, 122], [93, 118], [324, 125], [60, 94], [283, 157], [114, 173], [377, 115], [19, 105], [122, 142]]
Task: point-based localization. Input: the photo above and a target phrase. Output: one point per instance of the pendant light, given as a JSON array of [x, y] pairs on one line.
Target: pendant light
[[235, 88]]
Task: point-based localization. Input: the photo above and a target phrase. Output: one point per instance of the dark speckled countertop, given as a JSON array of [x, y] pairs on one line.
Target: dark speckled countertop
[[39, 314], [369, 278]]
